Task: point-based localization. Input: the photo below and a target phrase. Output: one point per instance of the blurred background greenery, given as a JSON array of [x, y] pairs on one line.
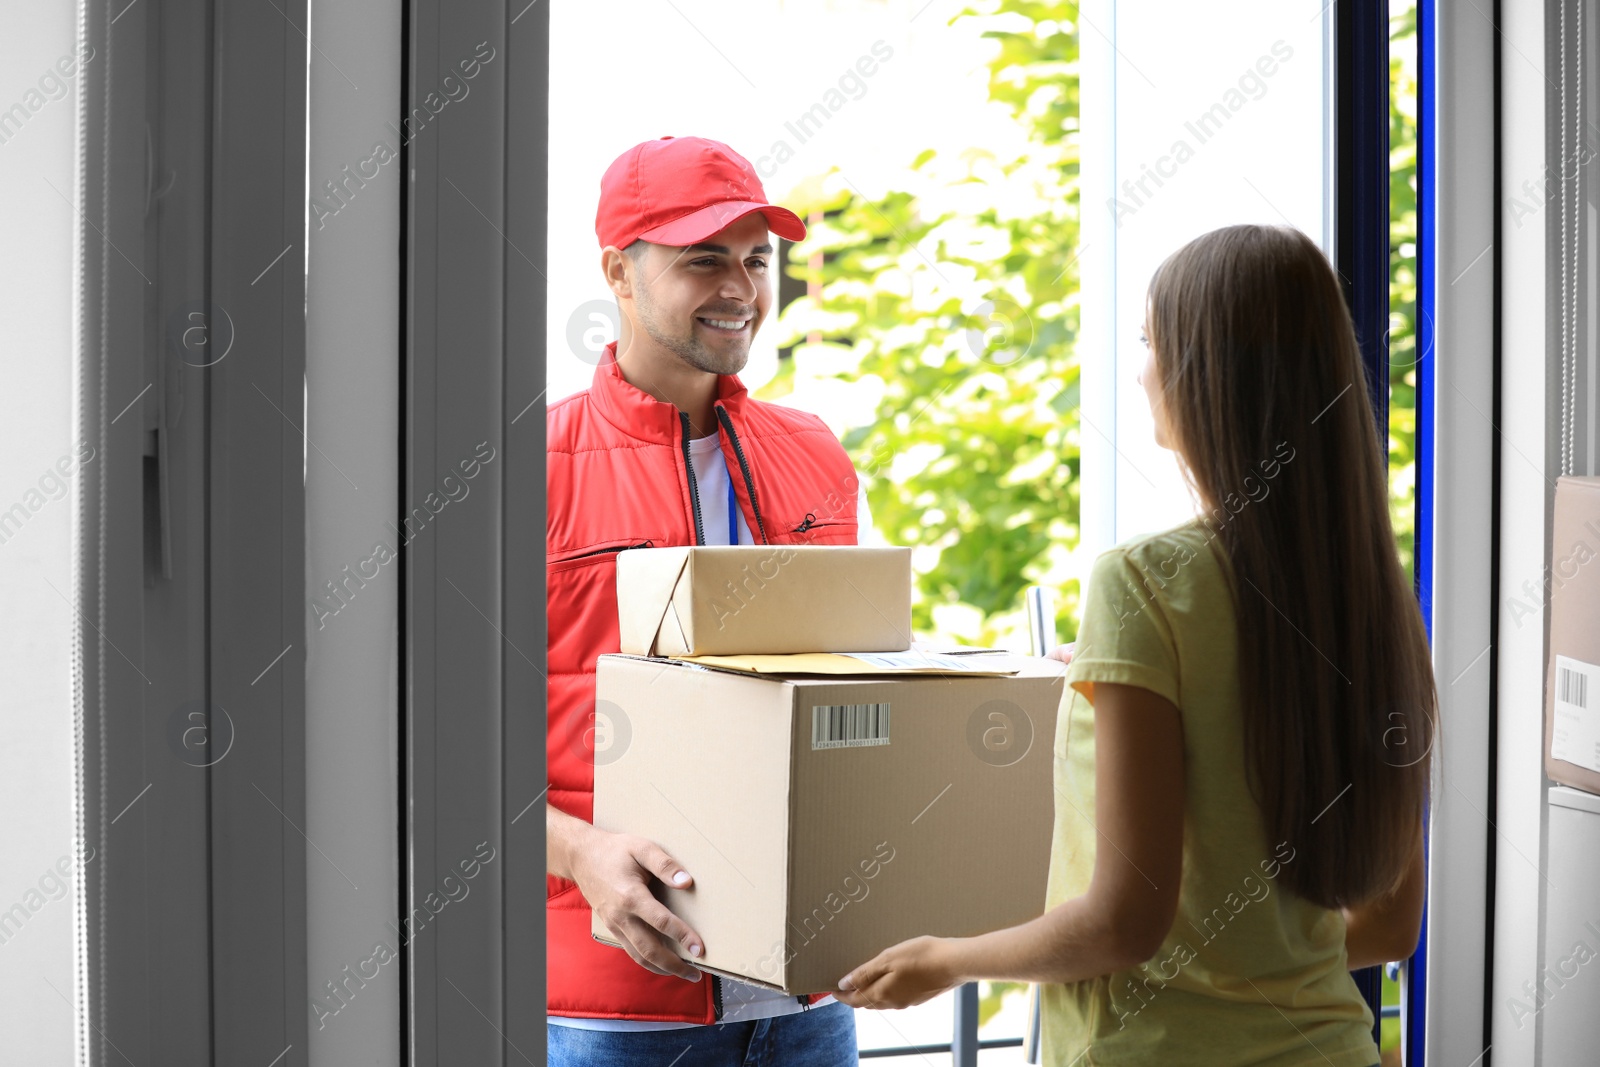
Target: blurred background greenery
[[973, 453]]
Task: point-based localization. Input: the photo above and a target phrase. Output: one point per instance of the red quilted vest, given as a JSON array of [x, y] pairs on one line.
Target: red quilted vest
[[618, 477]]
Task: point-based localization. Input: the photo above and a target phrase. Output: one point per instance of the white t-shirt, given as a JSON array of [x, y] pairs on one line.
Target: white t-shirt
[[712, 478], [741, 1001]]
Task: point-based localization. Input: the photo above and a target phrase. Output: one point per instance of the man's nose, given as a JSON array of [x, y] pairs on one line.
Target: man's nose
[[739, 285]]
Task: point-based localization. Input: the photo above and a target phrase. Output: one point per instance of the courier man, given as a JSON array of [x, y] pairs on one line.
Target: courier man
[[665, 448]]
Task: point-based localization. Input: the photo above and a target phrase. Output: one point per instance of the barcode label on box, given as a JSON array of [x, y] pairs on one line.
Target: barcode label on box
[[849, 725], [1572, 687], [1575, 729]]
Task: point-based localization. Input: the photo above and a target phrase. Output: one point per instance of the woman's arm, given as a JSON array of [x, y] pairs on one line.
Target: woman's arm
[[1129, 908], [1387, 928]]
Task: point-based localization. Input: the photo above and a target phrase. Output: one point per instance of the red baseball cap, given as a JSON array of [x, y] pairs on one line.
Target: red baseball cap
[[680, 190]]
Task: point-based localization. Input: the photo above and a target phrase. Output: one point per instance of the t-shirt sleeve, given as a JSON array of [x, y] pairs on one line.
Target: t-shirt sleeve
[[1124, 636]]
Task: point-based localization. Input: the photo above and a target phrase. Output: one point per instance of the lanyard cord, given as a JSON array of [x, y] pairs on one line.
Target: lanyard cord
[[733, 511]]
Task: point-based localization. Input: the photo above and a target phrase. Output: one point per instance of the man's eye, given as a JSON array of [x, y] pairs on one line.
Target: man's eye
[[759, 263]]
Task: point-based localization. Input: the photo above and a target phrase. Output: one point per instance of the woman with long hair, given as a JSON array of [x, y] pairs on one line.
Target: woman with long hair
[[1242, 761]]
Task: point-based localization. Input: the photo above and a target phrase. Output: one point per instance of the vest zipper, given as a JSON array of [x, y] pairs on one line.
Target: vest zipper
[[744, 468], [694, 486], [716, 997], [603, 551]]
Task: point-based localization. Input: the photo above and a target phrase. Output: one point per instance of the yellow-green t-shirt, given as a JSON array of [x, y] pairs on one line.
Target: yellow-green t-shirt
[[1250, 973]]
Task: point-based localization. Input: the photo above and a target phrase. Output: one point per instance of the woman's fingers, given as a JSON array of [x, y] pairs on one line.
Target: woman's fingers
[[857, 985]]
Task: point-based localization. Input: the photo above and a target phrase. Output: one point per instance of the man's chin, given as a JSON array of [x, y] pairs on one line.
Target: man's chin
[[733, 368], [726, 361]]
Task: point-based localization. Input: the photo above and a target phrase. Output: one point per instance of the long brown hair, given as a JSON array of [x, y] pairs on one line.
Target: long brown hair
[[1259, 372]]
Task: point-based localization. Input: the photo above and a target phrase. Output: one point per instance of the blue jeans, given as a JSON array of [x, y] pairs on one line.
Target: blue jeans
[[818, 1037]]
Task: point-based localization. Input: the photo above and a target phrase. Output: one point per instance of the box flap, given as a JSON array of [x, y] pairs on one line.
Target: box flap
[[649, 609], [675, 635]]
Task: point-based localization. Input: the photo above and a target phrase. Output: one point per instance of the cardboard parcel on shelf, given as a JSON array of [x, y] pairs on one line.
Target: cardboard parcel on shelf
[[825, 817], [705, 600], [1572, 685]]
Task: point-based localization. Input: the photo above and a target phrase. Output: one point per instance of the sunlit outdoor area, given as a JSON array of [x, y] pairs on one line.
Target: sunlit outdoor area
[[942, 532], [965, 310]]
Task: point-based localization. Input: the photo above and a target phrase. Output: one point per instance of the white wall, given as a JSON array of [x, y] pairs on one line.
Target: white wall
[[1522, 864], [37, 403], [1463, 371]]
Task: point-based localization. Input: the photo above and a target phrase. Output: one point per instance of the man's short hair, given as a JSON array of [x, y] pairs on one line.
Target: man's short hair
[[637, 248]]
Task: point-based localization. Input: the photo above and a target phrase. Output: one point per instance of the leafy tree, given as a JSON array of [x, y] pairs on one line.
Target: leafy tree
[[1404, 356], [955, 297]]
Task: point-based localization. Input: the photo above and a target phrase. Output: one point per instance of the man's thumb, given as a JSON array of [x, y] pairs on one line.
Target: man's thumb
[[665, 867]]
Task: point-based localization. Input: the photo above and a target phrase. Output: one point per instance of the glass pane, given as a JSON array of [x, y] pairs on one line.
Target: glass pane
[[1404, 353], [1219, 119]]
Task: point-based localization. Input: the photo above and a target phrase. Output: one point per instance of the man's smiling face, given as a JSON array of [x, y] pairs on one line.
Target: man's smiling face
[[705, 302]]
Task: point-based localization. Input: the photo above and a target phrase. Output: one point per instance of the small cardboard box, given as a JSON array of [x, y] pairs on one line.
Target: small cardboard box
[[710, 600], [825, 818], [1572, 683]]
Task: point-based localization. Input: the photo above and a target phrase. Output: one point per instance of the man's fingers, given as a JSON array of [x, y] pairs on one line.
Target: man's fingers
[[634, 941], [671, 927], [626, 941], [654, 858], [656, 955], [636, 938]]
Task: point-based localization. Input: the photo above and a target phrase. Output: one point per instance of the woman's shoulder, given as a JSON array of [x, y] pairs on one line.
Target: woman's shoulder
[[1181, 567], [1184, 541]]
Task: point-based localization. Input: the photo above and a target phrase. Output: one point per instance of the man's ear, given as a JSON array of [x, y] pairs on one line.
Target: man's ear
[[617, 267]]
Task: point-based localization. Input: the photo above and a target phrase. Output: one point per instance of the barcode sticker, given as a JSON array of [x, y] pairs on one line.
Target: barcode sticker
[[1575, 729], [849, 725], [1572, 687]]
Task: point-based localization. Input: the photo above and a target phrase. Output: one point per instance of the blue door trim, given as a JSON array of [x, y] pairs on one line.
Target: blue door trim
[[1362, 235], [1414, 988]]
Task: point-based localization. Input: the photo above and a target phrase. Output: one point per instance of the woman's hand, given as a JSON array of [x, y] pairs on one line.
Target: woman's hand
[[902, 975], [1063, 653]]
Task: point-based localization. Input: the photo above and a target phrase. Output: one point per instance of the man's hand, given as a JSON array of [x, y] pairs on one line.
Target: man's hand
[[901, 976], [613, 872]]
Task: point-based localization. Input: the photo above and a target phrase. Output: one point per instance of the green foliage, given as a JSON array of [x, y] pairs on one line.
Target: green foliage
[[1389, 1028], [992, 997], [955, 297], [1403, 353]]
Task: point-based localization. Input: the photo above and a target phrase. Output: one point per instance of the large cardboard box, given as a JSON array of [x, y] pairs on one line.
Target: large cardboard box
[[733, 599], [1572, 684], [825, 818]]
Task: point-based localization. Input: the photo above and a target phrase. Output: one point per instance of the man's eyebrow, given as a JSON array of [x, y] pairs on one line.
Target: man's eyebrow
[[722, 250]]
